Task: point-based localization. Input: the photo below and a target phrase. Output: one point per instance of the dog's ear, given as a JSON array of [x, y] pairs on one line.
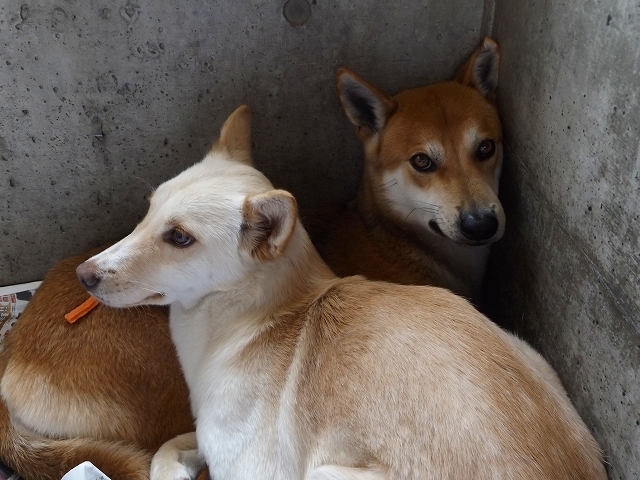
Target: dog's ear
[[268, 223], [481, 70], [235, 136], [367, 107]]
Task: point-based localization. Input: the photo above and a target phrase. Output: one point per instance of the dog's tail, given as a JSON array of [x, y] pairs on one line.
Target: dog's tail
[[35, 457]]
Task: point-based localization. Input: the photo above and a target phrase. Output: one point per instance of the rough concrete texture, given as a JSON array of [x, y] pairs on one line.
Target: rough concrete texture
[[99, 99], [567, 274]]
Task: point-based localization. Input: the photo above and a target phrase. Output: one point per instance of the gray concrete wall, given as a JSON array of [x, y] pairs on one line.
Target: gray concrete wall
[[567, 274], [99, 98]]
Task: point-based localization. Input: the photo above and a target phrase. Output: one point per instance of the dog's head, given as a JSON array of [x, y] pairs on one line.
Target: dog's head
[[205, 231], [433, 155]]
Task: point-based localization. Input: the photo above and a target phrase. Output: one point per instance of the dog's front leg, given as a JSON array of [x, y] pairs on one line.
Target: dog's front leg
[[177, 459], [335, 472]]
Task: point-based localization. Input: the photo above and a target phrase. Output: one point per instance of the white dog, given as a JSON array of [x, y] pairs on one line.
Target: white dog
[[297, 374]]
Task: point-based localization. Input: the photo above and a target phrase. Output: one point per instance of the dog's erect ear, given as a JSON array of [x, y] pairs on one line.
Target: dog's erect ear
[[367, 107], [268, 223], [235, 135], [481, 70]]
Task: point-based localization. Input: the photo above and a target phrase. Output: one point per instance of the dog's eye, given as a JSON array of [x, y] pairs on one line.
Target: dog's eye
[[423, 163], [180, 237], [486, 150]]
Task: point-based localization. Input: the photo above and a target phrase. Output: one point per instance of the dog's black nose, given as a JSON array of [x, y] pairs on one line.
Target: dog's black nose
[[478, 225], [87, 275]]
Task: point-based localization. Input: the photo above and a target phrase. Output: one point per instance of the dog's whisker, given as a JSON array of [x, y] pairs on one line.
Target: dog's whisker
[[426, 210], [412, 210], [424, 205], [384, 186], [433, 205], [144, 286], [151, 188]]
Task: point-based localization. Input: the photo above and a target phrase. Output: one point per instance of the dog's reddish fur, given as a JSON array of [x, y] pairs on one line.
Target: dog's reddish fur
[[107, 389]]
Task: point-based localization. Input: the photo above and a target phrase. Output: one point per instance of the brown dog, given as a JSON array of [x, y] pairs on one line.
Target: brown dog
[[107, 389], [427, 207]]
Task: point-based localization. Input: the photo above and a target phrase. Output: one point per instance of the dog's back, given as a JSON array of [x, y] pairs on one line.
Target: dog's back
[[110, 382], [417, 379]]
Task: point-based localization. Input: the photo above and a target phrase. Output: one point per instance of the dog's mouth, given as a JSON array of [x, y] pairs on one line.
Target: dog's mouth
[[151, 299], [464, 241], [436, 228], [476, 243]]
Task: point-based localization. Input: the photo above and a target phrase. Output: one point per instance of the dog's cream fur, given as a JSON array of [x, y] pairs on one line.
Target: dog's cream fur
[[405, 225], [295, 373]]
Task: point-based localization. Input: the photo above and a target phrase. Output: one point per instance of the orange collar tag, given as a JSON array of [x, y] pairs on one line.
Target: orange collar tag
[[81, 310]]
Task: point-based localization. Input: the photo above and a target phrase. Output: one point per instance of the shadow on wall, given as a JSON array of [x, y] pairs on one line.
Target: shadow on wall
[[509, 261]]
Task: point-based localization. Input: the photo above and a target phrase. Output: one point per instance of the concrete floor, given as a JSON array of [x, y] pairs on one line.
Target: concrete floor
[[101, 100]]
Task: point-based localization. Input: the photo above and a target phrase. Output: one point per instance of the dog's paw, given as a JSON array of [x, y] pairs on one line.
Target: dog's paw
[[169, 470], [177, 459]]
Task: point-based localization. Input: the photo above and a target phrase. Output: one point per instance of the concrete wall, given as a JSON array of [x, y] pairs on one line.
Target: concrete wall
[[567, 274], [99, 98]]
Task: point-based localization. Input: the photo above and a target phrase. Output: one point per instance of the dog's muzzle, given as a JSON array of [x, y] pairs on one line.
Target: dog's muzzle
[[478, 226]]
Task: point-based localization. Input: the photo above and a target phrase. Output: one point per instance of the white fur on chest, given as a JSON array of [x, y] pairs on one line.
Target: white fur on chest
[[240, 423]]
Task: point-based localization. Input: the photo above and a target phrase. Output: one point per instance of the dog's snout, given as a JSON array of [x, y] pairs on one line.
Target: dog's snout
[[478, 226], [88, 275]]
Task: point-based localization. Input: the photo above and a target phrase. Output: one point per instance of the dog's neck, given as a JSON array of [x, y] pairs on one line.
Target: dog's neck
[[298, 273], [223, 323]]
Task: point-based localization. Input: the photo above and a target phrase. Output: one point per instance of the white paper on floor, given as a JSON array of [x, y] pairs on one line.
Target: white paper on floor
[[85, 471]]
